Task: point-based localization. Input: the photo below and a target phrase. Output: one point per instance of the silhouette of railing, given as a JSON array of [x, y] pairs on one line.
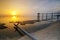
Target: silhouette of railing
[[49, 16]]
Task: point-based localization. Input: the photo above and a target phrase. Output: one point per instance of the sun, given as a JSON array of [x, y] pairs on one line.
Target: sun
[[14, 13]]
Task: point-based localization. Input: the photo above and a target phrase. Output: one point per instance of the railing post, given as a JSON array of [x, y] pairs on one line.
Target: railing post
[[46, 16], [38, 17]]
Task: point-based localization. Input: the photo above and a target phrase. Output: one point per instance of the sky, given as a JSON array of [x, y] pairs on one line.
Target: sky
[[28, 7]]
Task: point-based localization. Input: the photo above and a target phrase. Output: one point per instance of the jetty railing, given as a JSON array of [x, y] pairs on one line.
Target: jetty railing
[[22, 32], [49, 16]]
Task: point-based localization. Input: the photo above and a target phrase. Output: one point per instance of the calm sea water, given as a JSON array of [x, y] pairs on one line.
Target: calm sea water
[[14, 18]]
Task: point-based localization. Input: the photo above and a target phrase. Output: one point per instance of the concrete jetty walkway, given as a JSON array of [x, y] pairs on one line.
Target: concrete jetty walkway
[[50, 33]]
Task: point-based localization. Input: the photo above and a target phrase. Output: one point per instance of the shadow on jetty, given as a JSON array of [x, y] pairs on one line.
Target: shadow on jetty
[[26, 22], [2, 26]]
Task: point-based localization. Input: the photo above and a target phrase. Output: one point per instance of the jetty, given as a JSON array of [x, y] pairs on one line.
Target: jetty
[[52, 32]]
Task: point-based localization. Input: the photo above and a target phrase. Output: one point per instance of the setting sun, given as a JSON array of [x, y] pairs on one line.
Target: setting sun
[[14, 13]]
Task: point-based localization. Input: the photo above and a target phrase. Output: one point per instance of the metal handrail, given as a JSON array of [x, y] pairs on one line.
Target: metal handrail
[[22, 32]]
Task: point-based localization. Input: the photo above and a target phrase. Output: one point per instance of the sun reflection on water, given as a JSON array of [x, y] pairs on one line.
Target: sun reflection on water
[[18, 18], [14, 18]]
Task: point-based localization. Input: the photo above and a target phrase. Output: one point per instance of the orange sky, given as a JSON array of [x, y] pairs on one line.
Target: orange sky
[[28, 7]]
